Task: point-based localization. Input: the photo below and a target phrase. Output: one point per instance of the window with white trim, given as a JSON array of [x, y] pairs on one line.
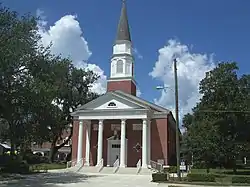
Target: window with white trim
[[119, 66], [95, 127], [116, 127], [137, 127], [112, 104], [127, 68]]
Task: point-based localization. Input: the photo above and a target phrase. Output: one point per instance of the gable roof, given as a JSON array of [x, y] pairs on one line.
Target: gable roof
[[140, 103], [155, 107]]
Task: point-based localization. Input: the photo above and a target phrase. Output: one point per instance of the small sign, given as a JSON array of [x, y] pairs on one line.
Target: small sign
[[183, 167]]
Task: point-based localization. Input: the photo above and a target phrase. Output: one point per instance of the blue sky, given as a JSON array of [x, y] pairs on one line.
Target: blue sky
[[218, 27]]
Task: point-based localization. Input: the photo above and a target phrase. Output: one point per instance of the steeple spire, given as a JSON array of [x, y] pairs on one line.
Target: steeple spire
[[123, 32]]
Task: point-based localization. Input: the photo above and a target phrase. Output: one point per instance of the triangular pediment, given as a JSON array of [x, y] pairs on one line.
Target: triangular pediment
[[111, 101], [113, 104]]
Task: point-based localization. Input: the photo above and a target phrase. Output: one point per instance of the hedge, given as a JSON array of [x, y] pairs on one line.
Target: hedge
[[160, 177], [241, 179], [15, 166], [200, 177], [172, 169]]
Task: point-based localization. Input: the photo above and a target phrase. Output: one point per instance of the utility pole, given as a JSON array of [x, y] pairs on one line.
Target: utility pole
[[177, 140]]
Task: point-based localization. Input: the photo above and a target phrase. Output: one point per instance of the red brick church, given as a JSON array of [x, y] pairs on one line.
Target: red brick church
[[119, 127]]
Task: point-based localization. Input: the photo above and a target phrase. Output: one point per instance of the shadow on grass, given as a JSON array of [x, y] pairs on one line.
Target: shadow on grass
[[48, 179]]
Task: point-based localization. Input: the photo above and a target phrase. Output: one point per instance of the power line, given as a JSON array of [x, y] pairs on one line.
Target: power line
[[239, 111], [225, 111]]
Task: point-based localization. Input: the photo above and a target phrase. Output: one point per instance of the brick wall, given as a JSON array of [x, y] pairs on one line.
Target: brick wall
[[126, 86], [161, 140]]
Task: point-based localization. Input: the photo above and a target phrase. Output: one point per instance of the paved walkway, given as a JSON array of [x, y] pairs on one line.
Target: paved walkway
[[66, 179], [71, 179]]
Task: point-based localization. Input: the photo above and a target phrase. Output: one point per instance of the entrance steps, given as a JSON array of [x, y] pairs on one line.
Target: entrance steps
[[111, 170], [108, 170], [145, 171], [89, 169], [128, 171]]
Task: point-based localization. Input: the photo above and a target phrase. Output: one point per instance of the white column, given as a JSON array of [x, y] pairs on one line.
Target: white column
[[87, 152], [79, 148], [149, 141], [100, 141], [144, 144], [123, 144]]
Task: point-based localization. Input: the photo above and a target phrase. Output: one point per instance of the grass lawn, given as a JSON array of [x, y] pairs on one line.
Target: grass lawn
[[45, 167], [223, 177], [229, 172]]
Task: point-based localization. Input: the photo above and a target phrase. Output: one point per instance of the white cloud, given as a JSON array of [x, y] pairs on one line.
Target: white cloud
[[138, 92], [137, 53], [191, 69], [67, 39]]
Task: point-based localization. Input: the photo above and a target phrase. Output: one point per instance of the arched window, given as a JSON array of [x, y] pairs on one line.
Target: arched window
[[127, 70], [119, 66], [111, 104]]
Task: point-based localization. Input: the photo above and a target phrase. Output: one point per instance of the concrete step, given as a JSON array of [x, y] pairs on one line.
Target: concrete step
[[128, 171], [89, 169], [145, 171], [108, 170]]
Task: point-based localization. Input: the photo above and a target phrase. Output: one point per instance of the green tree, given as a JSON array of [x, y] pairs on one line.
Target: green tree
[[18, 49], [220, 119], [67, 89]]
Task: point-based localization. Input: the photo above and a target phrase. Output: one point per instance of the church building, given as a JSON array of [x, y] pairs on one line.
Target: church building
[[119, 127]]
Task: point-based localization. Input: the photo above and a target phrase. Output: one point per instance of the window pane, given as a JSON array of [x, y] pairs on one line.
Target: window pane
[[127, 68], [119, 67]]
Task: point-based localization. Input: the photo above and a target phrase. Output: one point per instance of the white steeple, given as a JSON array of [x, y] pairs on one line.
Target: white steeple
[[122, 60]]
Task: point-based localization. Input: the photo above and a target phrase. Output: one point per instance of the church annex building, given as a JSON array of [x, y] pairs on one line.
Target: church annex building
[[119, 127]]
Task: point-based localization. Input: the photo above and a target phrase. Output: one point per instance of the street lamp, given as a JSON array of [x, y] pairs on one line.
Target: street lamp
[[177, 141], [161, 87]]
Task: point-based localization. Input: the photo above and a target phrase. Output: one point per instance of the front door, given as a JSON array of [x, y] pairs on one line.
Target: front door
[[115, 152], [114, 147]]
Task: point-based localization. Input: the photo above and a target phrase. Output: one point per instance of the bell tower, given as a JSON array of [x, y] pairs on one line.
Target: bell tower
[[122, 60]]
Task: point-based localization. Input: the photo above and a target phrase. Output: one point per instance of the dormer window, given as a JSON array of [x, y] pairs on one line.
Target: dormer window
[[112, 104]]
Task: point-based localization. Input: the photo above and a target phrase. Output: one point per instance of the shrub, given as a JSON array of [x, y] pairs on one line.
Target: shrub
[[16, 166], [241, 179], [4, 159], [35, 159], [199, 165], [48, 166], [171, 169], [160, 177], [200, 177]]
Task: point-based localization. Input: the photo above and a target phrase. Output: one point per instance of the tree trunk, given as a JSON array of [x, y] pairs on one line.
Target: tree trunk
[[52, 154], [234, 166], [12, 147], [53, 150]]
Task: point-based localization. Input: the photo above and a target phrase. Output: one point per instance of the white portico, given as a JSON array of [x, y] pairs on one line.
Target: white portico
[[112, 106]]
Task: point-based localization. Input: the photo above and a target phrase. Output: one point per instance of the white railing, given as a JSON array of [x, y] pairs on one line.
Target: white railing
[[80, 164], [99, 165], [71, 163], [156, 166], [116, 165], [138, 165]]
